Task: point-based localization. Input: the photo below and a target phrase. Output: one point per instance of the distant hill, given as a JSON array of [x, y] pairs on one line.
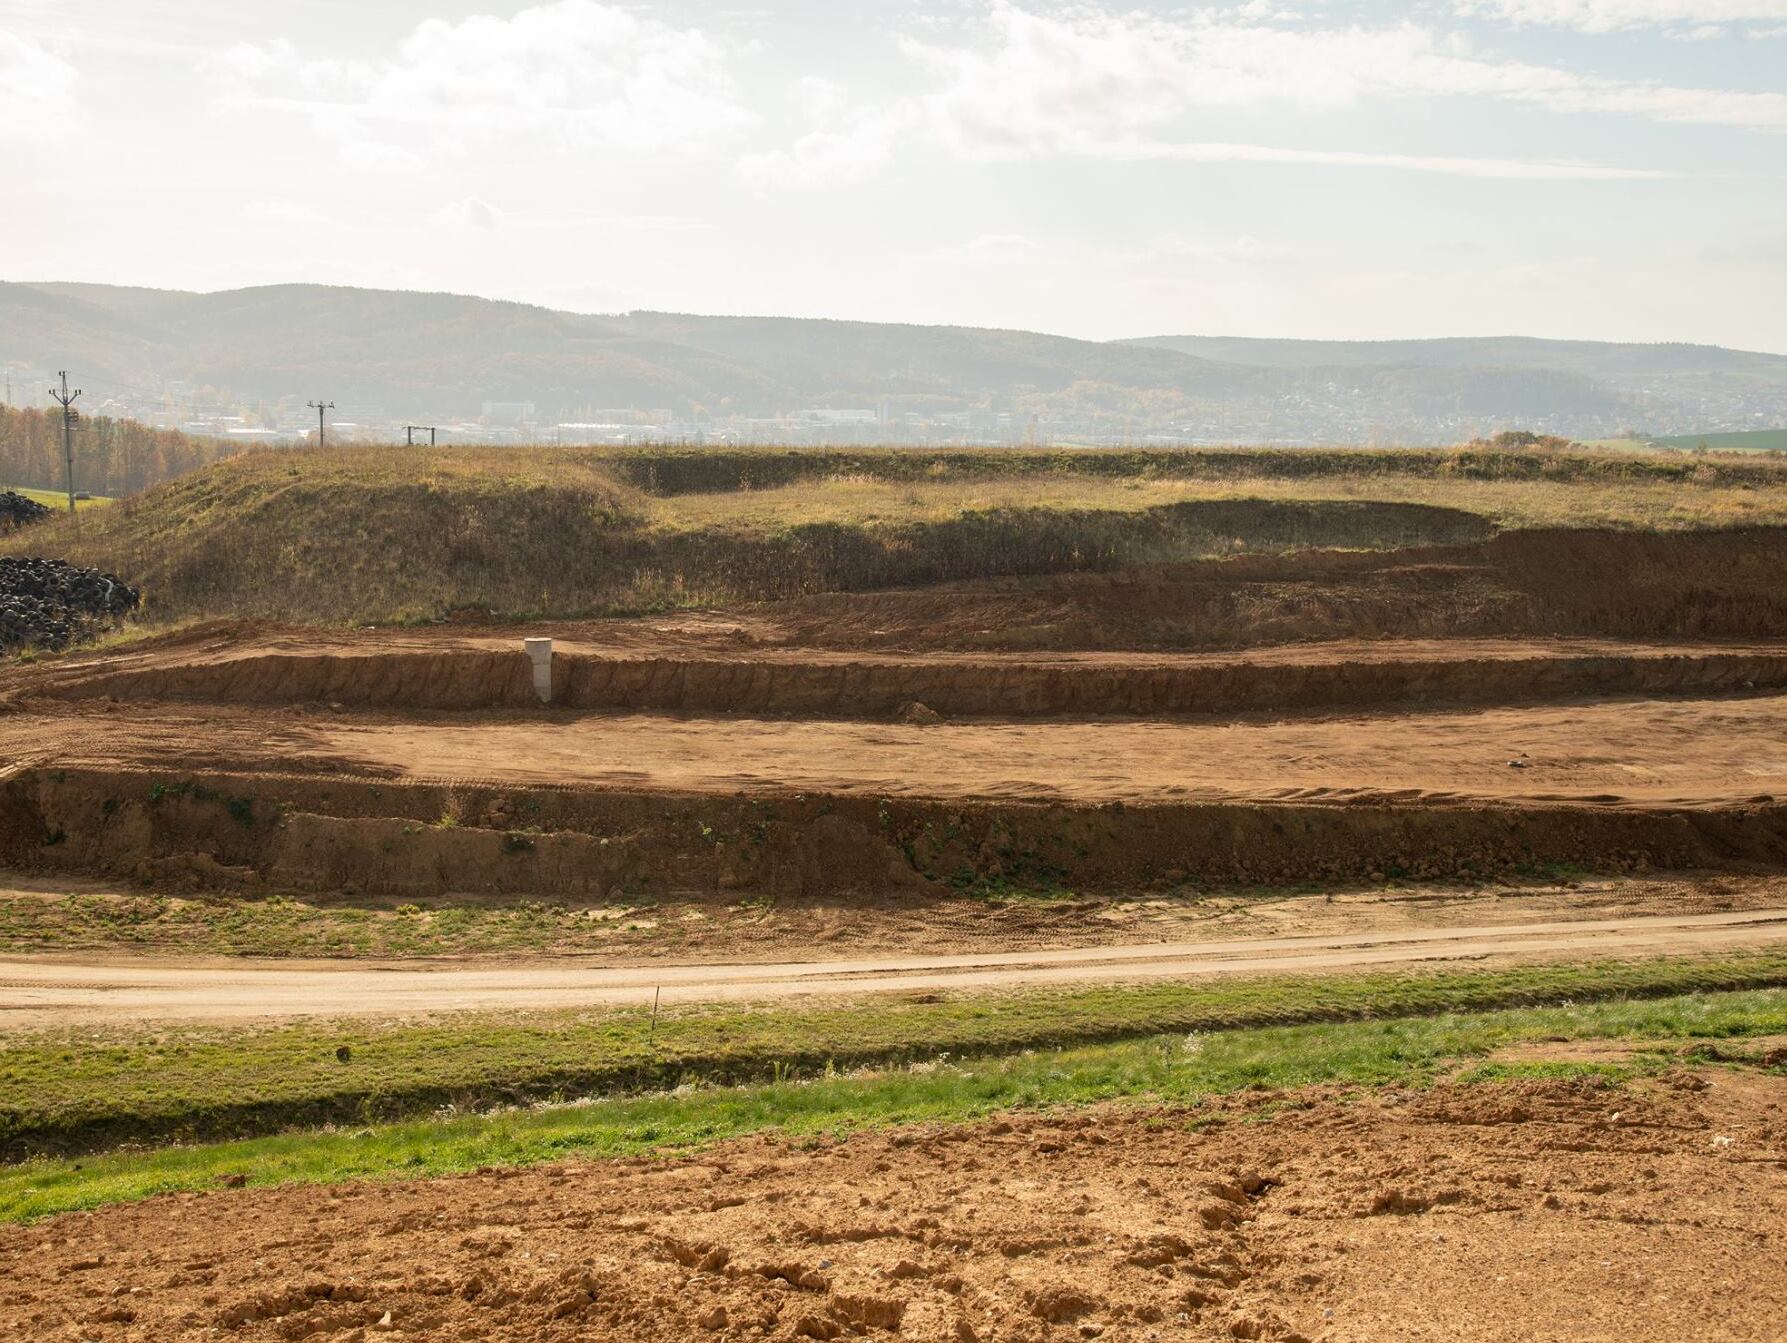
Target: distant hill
[[401, 356], [1585, 357]]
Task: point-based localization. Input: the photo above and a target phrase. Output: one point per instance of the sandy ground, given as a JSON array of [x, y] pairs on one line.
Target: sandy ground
[[1692, 751], [1512, 1211], [38, 992]]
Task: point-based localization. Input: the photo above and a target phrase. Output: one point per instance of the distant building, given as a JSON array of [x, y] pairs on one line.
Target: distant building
[[508, 412]]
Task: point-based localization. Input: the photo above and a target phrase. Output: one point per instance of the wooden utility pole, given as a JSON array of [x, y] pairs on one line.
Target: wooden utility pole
[[322, 429]]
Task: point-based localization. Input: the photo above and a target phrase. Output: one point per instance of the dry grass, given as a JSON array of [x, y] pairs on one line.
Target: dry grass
[[388, 534], [858, 501]]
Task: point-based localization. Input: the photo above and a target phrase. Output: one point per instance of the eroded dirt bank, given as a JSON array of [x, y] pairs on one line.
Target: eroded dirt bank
[[334, 833], [1508, 1211], [718, 667]]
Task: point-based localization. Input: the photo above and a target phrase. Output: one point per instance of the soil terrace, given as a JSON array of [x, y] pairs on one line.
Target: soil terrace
[[1689, 752]]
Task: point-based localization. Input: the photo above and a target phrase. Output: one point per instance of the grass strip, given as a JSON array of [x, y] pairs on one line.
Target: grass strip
[[72, 1091], [283, 926], [1177, 1069]]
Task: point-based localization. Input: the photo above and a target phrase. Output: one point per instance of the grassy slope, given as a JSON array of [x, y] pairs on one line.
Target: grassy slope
[[383, 535], [74, 1089], [1172, 1068]]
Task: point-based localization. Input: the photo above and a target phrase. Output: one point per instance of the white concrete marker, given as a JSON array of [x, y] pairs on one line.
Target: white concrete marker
[[539, 652]]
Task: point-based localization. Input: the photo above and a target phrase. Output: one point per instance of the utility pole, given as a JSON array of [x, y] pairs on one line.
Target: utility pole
[[322, 431], [67, 398], [409, 434]]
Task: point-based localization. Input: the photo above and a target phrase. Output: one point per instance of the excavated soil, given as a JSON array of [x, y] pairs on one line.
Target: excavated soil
[[715, 665], [555, 802], [1684, 585], [1564, 1210], [838, 746]]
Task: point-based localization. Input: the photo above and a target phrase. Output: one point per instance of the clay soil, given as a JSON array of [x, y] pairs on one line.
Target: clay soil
[[1684, 751], [1543, 1209], [714, 753]]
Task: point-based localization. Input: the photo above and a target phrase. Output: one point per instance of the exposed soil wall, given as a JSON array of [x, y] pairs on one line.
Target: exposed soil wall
[[866, 687], [1724, 584], [328, 834]]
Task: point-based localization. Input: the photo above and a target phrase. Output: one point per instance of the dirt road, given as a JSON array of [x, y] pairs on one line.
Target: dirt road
[[41, 992]]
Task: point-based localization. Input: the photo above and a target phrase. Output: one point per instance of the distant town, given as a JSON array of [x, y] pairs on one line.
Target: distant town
[[1295, 418]]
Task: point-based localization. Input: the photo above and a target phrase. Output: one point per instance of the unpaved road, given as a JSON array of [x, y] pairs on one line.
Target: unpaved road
[[43, 992]]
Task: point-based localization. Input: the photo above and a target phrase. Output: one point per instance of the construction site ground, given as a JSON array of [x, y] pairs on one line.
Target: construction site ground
[[1556, 1208]]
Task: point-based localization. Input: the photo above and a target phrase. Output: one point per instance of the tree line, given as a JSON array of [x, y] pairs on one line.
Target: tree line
[[111, 457]]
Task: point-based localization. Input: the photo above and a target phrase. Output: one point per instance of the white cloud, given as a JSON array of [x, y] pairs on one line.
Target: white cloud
[[468, 215], [292, 213], [1529, 170], [1090, 81], [853, 152], [1606, 16], [37, 87], [1244, 250], [989, 249], [1020, 85], [587, 75]]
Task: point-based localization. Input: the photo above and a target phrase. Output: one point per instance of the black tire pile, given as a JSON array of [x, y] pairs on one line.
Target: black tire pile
[[16, 510], [50, 603]]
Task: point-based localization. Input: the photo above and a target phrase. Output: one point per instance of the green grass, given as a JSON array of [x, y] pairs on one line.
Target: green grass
[[1171, 1068], [1754, 440], [74, 1090], [58, 499]]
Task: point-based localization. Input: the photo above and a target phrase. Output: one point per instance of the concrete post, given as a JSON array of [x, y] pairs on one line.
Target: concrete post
[[539, 653]]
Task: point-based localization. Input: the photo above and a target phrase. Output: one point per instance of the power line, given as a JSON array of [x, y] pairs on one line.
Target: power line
[[322, 432], [67, 398]]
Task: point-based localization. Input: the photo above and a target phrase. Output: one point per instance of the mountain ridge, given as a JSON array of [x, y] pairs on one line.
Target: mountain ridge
[[407, 354]]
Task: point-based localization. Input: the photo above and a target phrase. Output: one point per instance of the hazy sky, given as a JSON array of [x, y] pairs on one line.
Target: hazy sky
[[1593, 168]]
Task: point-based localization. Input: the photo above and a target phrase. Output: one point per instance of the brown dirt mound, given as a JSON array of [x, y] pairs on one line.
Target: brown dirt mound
[[1568, 1211], [1709, 584]]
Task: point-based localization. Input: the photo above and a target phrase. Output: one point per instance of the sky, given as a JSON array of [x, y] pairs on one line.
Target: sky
[[1596, 169]]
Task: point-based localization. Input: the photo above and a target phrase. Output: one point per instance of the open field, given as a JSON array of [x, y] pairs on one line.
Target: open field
[[1202, 789], [59, 499], [1755, 440], [1568, 1157]]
